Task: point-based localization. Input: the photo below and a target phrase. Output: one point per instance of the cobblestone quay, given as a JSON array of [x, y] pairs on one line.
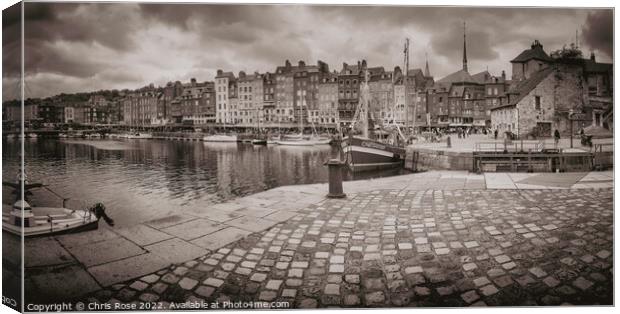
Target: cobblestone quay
[[393, 248]]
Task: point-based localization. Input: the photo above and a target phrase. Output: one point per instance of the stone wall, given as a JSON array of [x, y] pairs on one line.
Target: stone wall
[[428, 159], [559, 92]]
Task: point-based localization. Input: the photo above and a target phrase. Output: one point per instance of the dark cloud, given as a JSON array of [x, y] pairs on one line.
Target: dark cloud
[[450, 44], [103, 45], [598, 32], [183, 15]]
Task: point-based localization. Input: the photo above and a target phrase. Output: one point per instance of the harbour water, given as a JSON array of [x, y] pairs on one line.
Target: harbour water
[[139, 180]]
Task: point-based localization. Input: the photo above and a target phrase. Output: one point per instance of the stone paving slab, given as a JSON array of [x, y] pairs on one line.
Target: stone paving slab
[[105, 251], [169, 221], [142, 234], [175, 251], [193, 229], [564, 180], [252, 224], [227, 207], [85, 238], [63, 283], [215, 215], [280, 216], [255, 211], [498, 181], [220, 238], [45, 252], [255, 201], [126, 269]]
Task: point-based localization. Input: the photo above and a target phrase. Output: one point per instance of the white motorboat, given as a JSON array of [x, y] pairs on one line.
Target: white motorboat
[[140, 135], [30, 221], [40, 221], [220, 138]]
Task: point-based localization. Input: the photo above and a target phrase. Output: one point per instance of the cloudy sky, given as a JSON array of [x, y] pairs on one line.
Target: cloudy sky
[[85, 47]]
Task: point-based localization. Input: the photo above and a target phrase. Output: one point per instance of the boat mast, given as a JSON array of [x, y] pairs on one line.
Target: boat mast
[[405, 81], [415, 104], [364, 112]]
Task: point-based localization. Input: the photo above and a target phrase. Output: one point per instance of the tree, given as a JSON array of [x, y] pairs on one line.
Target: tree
[[570, 53]]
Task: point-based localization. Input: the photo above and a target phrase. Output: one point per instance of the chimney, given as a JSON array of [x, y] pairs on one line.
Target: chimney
[[193, 81], [592, 57], [241, 74], [344, 65], [503, 75], [301, 64], [536, 44], [219, 72], [287, 64]]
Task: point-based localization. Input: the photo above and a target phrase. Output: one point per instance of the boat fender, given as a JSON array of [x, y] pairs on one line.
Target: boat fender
[[99, 210]]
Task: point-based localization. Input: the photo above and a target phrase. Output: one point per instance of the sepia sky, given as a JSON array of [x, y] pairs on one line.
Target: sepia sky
[[86, 47]]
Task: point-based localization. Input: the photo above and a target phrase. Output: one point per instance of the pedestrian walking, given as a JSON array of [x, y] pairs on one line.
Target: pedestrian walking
[[556, 135], [495, 134]]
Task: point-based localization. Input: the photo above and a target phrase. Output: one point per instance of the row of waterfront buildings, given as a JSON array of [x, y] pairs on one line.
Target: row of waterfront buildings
[[544, 93]]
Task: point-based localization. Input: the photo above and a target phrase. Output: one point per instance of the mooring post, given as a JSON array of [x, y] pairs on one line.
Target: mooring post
[[448, 142], [334, 167]]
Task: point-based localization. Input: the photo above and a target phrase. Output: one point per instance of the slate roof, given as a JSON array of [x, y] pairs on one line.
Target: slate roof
[[226, 74], [481, 77], [522, 88], [460, 76], [596, 67], [536, 52]]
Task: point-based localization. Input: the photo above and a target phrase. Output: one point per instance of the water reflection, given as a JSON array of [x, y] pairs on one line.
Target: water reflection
[[139, 180]]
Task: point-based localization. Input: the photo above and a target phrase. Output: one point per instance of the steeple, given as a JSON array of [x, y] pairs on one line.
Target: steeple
[[464, 49], [427, 72]]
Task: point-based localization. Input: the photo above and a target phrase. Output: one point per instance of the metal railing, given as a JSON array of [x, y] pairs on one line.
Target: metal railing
[[510, 146]]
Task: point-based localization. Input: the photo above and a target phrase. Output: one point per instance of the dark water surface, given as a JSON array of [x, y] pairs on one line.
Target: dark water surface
[[139, 180]]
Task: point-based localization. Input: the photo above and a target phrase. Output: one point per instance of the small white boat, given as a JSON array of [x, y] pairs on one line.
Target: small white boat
[[29, 221], [257, 141], [95, 135], [300, 142], [40, 221], [32, 135], [140, 135], [220, 138]]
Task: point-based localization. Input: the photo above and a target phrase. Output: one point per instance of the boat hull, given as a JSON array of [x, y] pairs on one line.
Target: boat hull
[[220, 138], [295, 143], [366, 155], [64, 221]]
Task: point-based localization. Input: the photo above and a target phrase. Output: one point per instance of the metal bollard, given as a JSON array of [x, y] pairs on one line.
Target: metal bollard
[[448, 142], [335, 178]]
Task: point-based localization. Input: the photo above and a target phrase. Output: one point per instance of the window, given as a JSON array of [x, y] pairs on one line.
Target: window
[[537, 102]]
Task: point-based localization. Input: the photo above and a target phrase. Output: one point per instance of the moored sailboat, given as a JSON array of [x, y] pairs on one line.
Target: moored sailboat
[[364, 152]]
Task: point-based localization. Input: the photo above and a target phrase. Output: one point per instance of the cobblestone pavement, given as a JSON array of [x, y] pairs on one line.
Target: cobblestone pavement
[[409, 248]]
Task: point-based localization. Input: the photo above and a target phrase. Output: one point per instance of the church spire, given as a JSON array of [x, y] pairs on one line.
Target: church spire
[[464, 48], [427, 72]]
